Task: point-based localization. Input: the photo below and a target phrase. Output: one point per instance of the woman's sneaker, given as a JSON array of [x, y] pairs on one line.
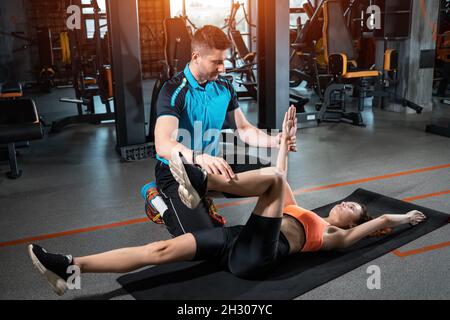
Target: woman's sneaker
[[52, 266], [193, 180]]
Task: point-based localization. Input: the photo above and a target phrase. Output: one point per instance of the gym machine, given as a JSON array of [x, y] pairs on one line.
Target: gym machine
[[443, 60], [88, 87]]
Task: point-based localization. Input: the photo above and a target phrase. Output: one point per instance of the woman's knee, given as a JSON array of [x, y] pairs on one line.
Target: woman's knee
[[156, 250], [271, 171], [278, 179]]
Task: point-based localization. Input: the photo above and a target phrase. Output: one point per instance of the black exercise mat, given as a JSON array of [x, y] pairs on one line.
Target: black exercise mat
[[296, 275]]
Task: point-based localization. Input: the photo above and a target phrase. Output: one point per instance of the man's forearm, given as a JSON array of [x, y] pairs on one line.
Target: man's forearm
[[171, 146], [257, 138]]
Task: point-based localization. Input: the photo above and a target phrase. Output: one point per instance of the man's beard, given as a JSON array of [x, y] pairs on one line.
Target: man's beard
[[204, 77]]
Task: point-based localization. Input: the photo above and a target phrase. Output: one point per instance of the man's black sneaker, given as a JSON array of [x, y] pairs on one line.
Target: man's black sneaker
[[192, 178], [52, 266]]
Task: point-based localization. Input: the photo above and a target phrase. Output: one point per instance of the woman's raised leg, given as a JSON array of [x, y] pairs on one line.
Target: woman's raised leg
[[250, 184]]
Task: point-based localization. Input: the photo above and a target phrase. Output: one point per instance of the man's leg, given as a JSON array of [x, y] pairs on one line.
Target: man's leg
[[179, 219]]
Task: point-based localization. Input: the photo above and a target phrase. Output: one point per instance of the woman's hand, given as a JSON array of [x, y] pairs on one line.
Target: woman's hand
[[415, 217], [289, 133]]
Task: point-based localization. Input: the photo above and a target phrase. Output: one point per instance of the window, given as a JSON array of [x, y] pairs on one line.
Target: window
[[215, 12], [209, 12], [294, 16], [88, 15]]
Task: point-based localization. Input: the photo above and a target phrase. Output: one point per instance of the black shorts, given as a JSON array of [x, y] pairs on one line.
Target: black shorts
[[180, 219], [249, 251]]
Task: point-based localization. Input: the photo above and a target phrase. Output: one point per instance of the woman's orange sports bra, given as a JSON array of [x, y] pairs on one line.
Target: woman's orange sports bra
[[313, 224]]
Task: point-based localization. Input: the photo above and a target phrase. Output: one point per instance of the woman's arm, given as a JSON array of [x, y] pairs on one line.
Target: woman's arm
[[282, 159], [346, 238], [287, 145], [289, 131]]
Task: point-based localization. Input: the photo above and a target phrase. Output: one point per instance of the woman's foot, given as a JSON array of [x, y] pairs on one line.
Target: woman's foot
[[52, 266], [193, 180]]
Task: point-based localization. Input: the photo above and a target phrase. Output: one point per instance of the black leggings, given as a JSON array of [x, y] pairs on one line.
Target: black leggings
[[249, 251]]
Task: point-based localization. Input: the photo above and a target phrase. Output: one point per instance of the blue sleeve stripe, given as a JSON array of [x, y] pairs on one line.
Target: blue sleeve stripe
[[177, 92], [162, 159]]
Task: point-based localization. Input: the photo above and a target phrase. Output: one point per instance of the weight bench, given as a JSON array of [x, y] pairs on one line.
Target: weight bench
[[19, 121], [11, 90], [341, 57]]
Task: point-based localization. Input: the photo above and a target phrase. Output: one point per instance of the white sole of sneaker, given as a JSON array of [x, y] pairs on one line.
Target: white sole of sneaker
[[56, 282], [187, 193]]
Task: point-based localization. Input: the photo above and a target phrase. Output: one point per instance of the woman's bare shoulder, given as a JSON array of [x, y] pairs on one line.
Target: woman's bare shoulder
[[332, 230], [331, 237]]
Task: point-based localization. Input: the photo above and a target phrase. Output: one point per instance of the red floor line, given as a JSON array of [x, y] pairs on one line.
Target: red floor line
[[429, 195], [72, 232], [405, 254], [364, 180]]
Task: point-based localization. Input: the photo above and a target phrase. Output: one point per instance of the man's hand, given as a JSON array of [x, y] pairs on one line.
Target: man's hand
[[215, 165]]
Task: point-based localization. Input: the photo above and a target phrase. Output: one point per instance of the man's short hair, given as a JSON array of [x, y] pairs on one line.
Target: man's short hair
[[210, 37]]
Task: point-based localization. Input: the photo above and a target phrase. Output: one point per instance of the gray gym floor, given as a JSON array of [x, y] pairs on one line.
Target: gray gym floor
[[75, 179]]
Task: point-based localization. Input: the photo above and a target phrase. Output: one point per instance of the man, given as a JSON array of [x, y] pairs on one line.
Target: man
[[192, 108]]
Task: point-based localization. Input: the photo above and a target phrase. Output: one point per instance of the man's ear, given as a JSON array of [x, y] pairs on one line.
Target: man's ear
[[195, 56]]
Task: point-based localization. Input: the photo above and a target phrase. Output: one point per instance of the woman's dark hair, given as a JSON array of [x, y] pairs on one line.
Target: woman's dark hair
[[210, 37], [365, 217]]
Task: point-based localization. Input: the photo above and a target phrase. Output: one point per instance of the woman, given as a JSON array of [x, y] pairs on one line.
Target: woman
[[276, 228]]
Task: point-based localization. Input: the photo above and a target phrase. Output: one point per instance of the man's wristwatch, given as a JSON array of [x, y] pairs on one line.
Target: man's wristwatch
[[195, 153]]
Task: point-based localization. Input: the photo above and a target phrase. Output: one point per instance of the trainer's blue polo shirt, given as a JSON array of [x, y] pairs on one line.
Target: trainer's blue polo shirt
[[202, 111]]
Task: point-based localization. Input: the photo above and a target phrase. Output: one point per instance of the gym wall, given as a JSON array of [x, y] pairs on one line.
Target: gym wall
[[14, 65], [151, 15], [32, 14]]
